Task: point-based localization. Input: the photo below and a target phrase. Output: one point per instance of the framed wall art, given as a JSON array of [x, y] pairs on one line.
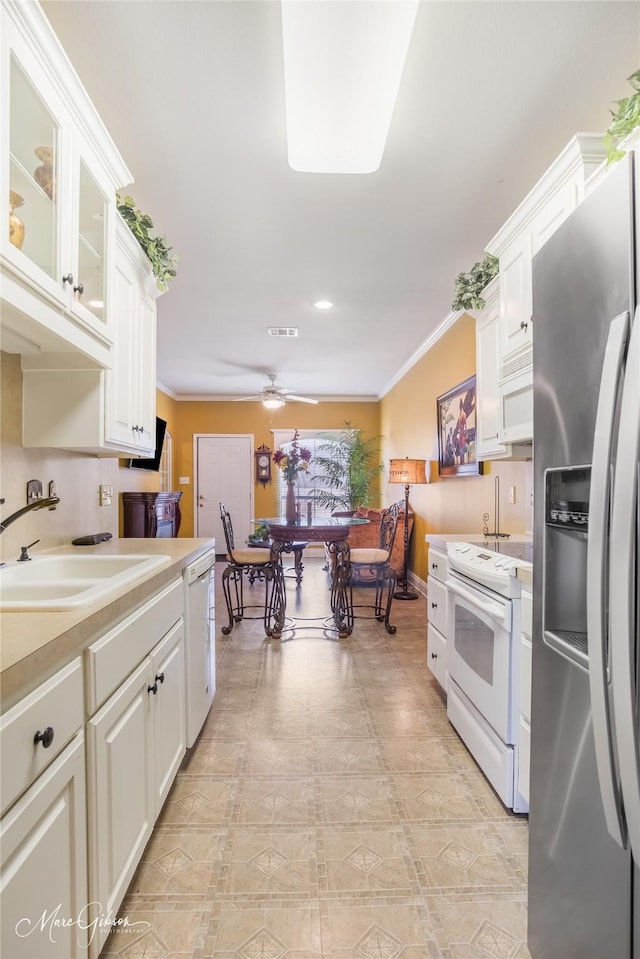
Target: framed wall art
[[457, 431]]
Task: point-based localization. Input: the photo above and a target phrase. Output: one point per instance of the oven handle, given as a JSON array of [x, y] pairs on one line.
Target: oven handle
[[498, 611]]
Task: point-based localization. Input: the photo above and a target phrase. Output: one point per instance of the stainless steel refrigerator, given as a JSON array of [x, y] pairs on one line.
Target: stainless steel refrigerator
[[584, 821]]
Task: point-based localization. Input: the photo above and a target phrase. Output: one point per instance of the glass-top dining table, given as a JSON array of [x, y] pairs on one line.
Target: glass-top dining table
[[334, 532]]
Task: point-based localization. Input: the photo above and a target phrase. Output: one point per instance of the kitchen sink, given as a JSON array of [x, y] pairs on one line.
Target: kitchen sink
[[62, 582]]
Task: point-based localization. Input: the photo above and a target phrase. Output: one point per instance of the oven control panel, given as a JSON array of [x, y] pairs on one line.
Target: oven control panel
[[486, 567]]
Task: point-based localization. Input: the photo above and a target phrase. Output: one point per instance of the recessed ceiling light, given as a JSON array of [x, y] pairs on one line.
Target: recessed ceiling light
[[323, 304]]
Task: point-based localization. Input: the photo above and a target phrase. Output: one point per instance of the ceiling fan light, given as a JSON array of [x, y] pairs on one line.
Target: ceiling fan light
[[343, 64], [273, 403]]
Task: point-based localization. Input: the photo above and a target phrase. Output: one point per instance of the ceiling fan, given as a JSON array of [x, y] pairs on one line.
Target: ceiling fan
[[273, 397]]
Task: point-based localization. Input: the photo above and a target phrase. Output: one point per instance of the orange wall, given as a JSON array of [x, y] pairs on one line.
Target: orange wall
[[408, 421], [228, 417]]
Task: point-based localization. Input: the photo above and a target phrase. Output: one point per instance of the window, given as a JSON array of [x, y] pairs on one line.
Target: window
[[313, 440]]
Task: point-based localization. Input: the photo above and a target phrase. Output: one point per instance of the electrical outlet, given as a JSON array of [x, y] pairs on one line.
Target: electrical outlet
[[512, 495], [34, 491], [106, 495], [184, 481]]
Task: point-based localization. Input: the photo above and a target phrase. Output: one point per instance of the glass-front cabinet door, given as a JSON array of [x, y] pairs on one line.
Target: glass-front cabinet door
[[35, 188], [59, 172], [91, 235]]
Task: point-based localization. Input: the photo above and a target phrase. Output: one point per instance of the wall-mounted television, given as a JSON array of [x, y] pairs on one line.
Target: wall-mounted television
[[153, 462]]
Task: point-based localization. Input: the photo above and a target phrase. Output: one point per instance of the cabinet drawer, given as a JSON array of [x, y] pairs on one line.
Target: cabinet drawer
[[57, 705], [116, 654], [438, 564], [437, 605], [527, 614], [437, 655], [525, 678], [524, 758]]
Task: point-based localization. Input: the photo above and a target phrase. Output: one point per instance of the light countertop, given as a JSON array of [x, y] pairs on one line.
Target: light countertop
[[33, 645]]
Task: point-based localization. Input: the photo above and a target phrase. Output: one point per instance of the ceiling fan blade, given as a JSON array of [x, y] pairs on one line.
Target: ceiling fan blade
[[244, 399], [300, 399]]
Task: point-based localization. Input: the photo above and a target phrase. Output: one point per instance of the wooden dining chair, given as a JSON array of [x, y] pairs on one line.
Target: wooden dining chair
[[257, 565], [371, 568]]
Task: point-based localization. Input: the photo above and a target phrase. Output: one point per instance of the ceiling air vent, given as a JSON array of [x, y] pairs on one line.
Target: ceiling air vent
[[283, 331]]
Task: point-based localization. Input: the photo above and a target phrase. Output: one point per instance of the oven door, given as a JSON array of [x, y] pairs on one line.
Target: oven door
[[479, 651]]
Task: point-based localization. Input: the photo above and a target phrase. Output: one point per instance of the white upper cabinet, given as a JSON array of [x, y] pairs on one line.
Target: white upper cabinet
[[488, 408], [131, 384], [59, 172], [549, 203], [70, 404]]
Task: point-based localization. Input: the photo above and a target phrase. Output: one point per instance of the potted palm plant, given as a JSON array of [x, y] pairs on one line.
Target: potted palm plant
[[346, 468]]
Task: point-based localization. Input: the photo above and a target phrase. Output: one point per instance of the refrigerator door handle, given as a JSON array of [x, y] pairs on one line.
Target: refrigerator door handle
[[623, 586], [599, 499]]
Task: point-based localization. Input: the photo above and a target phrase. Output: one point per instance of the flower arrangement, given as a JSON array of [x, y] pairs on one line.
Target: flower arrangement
[[293, 461]]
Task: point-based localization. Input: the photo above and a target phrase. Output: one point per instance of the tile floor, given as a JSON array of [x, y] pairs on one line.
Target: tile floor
[[328, 810]]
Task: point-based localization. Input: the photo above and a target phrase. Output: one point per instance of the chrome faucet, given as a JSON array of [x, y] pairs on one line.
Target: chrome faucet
[[47, 502]]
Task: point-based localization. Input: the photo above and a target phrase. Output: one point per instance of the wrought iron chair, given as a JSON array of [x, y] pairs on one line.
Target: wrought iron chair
[[256, 564], [371, 567]]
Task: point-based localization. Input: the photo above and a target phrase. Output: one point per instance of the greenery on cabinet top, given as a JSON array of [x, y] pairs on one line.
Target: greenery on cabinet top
[[625, 120], [469, 286], [163, 262]]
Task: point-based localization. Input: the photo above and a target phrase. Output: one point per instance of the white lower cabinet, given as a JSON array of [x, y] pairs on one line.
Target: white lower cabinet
[[43, 878], [167, 666], [69, 844], [437, 655], [119, 766], [135, 744], [44, 855], [437, 615]]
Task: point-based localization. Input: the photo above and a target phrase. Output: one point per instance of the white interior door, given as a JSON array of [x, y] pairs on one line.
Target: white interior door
[[224, 470]]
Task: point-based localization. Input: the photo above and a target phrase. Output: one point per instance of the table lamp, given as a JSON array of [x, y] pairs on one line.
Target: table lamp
[[408, 472]]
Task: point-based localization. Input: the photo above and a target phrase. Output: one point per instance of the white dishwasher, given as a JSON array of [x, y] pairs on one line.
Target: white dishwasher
[[200, 641]]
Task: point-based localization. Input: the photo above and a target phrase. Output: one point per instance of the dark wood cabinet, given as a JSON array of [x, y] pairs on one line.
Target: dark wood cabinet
[[151, 515]]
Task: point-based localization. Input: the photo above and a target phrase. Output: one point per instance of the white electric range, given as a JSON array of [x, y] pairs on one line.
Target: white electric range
[[483, 657]]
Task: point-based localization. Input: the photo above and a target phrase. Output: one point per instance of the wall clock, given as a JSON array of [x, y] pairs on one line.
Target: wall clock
[[263, 464]]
